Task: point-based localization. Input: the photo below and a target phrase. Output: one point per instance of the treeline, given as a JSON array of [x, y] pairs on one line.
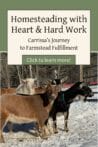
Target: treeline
[[11, 75]]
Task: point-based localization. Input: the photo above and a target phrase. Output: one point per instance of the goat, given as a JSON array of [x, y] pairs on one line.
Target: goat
[[64, 99], [27, 108], [27, 86], [36, 90], [7, 90]]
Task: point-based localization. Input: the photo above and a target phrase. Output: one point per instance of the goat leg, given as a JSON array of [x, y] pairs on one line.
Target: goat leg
[[42, 130], [43, 133], [54, 124], [66, 114], [3, 118], [49, 128], [10, 127], [1, 137]]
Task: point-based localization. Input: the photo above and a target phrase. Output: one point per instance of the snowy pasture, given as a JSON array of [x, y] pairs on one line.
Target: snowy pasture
[[82, 123]]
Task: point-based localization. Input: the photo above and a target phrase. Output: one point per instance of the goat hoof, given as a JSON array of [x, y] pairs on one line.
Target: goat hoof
[[20, 140], [51, 131], [2, 141], [66, 129], [44, 137], [55, 131]]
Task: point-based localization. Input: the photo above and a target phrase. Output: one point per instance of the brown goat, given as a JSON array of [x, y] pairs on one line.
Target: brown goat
[[7, 90], [25, 109], [38, 90], [26, 85]]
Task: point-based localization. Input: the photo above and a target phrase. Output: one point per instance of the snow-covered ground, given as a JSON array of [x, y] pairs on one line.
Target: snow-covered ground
[[82, 123]]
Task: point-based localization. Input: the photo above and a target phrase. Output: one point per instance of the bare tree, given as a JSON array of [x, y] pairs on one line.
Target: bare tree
[[8, 76], [59, 67], [37, 74], [81, 72], [30, 71], [22, 71], [18, 71]]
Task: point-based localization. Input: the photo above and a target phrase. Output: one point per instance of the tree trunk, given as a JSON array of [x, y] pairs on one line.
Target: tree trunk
[[30, 71], [37, 74], [8, 76], [55, 74], [59, 67], [81, 72], [22, 72], [18, 73]]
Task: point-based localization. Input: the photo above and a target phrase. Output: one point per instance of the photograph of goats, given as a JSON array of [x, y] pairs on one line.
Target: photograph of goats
[[38, 100]]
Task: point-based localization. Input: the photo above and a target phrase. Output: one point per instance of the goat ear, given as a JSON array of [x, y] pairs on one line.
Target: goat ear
[[49, 81], [23, 81], [82, 84], [48, 86]]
